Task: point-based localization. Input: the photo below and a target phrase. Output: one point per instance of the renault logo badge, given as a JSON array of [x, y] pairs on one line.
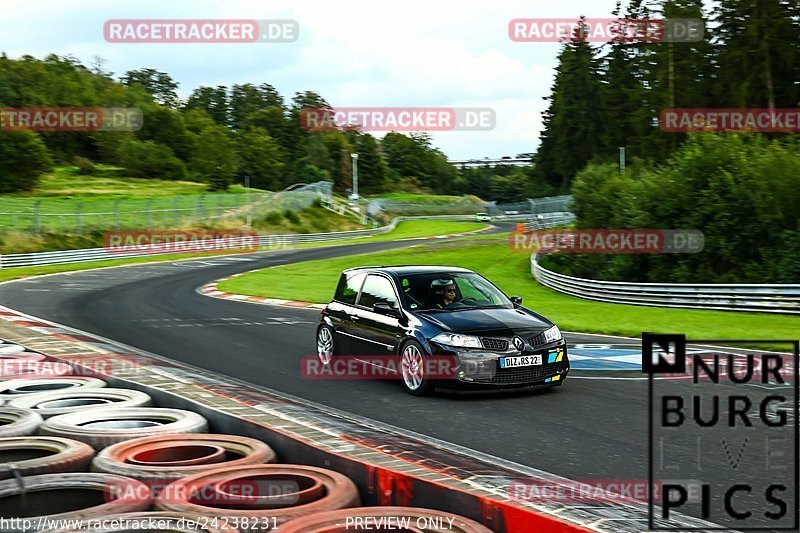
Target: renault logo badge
[[519, 344]]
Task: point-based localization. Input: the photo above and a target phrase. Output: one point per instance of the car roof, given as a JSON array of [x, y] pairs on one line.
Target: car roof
[[408, 269]]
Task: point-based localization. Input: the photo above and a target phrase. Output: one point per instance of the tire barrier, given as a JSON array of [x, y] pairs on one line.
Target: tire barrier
[[160, 460], [263, 496], [100, 428], [17, 422], [56, 403], [8, 348], [407, 519], [28, 456], [154, 522], [16, 368], [15, 388], [23, 356], [76, 496]]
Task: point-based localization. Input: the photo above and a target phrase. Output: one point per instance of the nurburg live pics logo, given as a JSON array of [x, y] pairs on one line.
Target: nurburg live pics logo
[[722, 438]]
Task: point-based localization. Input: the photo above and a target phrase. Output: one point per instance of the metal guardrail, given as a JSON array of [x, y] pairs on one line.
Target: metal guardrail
[[266, 242], [102, 254], [761, 298]]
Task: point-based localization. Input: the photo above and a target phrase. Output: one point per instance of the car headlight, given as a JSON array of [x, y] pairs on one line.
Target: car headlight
[[458, 341], [552, 335]]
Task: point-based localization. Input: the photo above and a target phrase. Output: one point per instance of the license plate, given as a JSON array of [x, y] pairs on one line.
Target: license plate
[[522, 360]]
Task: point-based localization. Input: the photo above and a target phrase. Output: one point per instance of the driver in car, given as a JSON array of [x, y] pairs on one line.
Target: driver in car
[[445, 290]]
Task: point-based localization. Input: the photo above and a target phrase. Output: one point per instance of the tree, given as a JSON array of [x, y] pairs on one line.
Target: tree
[[371, 167], [23, 158], [573, 118], [147, 159], [274, 122], [159, 84], [214, 157], [213, 101], [245, 100], [757, 50], [165, 126], [259, 156], [312, 151]]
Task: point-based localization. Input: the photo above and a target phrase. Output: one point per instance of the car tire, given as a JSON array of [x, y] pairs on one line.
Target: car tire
[[10, 349], [412, 369], [159, 460], [73, 496], [100, 428], [16, 422], [326, 347], [23, 356], [62, 402], [23, 456], [319, 490], [17, 388]]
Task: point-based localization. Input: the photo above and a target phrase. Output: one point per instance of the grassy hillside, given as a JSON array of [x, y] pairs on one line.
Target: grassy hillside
[[70, 202]]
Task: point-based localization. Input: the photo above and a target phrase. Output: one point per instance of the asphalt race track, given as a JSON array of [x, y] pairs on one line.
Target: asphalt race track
[[593, 427]]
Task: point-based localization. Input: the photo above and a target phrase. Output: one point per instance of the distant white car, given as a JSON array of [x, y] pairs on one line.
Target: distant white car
[[483, 217]]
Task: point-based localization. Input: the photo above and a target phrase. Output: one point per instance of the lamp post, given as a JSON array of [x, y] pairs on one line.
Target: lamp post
[[355, 176], [249, 218]]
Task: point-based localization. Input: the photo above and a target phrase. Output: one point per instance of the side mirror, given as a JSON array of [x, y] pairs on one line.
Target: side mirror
[[516, 300], [385, 308]]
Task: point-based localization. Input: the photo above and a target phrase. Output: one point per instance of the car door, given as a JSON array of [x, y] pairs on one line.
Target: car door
[[343, 309], [376, 334]]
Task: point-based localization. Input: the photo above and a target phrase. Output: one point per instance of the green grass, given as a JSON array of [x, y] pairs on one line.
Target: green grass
[[64, 193], [314, 281], [416, 198], [410, 229]]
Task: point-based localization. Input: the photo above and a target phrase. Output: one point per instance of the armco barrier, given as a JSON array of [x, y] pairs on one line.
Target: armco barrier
[[761, 298], [389, 466]]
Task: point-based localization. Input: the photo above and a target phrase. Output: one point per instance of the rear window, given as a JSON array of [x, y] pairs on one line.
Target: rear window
[[348, 288]]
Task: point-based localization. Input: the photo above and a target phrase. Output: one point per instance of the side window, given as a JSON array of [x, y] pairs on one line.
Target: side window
[[348, 288], [377, 289]]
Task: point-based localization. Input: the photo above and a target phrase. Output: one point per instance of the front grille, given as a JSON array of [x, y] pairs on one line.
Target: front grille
[[494, 344], [526, 374], [537, 340]]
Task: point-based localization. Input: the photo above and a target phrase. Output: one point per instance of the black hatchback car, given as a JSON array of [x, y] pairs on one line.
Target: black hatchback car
[[404, 317]]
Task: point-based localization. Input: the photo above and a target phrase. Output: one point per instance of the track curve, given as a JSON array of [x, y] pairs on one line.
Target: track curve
[[586, 429]]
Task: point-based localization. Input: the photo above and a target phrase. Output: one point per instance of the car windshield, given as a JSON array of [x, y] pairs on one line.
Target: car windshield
[[450, 291]]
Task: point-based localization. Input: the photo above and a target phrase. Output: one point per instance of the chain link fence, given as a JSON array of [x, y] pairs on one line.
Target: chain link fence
[[63, 215], [469, 205]]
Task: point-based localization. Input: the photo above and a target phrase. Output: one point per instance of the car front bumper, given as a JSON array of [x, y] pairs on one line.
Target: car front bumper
[[480, 369]]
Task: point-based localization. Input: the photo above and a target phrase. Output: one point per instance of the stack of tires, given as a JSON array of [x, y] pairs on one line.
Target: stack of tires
[[16, 361], [72, 448]]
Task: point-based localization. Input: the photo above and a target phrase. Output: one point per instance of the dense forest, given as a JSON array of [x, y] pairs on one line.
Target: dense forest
[[604, 97], [217, 135], [741, 189]]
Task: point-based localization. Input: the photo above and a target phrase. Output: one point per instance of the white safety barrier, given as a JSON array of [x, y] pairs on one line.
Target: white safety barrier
[[761, 298]]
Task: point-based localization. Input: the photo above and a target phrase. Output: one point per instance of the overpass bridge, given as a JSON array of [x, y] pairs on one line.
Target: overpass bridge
[[492, 162]]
